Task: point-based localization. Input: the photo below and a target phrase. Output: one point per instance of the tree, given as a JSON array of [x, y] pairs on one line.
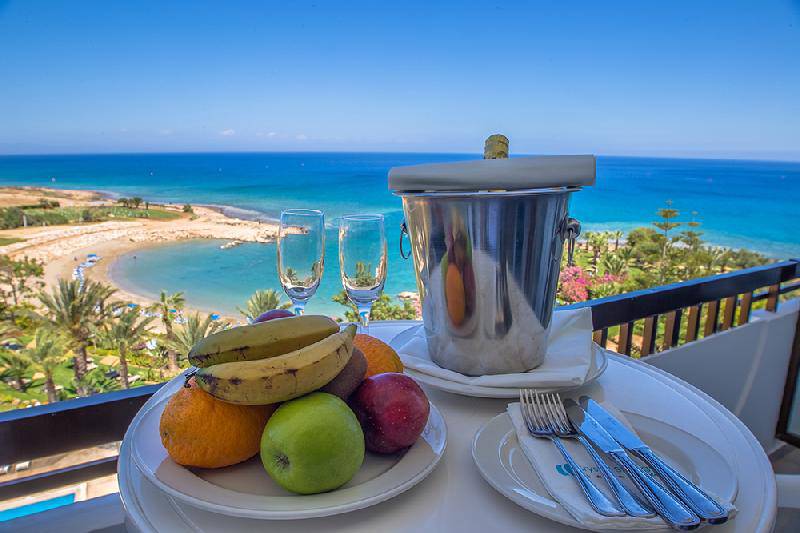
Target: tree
[[666, 224], [75, 308], [123, 334], [598, 241], [261, 302], [136, 201], [126, 202], [194, 330], [47, 352], [165, 305], [617, 235], [614, 264], [187, 208], [16, 366], [18, 279]]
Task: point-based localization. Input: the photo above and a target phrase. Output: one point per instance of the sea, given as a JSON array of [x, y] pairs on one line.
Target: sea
[[741, 204]]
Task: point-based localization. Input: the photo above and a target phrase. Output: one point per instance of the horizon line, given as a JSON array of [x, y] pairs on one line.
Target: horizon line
[[403, 152]]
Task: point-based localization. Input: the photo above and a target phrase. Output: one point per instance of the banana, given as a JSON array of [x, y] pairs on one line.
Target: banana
[[261, 340], [281, 378]]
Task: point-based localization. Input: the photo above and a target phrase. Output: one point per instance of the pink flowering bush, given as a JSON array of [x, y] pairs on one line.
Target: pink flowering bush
[[573, 285]]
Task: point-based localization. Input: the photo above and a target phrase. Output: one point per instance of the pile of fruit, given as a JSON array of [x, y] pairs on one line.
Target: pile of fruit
[[310, 398]]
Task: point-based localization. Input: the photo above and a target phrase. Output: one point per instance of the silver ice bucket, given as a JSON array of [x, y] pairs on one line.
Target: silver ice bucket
[[487, 265]]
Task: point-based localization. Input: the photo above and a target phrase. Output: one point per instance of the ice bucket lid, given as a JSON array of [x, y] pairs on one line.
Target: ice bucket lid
[[491, 174]]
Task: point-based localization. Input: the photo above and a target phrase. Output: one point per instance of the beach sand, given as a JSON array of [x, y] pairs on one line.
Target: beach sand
[[62, 248]]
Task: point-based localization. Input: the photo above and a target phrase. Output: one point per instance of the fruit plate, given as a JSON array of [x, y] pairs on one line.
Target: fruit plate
[[503, 465], [599, 364], [245, 490]]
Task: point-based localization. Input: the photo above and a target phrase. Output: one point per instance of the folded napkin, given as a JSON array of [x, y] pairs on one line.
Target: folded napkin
[[553, 472], [567, 363]]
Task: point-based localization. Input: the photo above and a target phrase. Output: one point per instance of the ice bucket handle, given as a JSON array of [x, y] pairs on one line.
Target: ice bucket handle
[[403, 231], [571, 231]]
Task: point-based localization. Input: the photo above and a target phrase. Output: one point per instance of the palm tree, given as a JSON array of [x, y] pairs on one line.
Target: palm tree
[[74, 308], [195, 329], [598, 241], [46, 353], [123, 334], [614, 264], [617, 235], [261, 302], [165, 304], [17, 365]]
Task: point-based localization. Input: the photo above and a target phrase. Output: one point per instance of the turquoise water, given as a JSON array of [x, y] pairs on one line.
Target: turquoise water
[[38, 507], [751, 204]]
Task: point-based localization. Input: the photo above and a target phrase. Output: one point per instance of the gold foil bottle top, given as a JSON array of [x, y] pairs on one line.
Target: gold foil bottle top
[[496, 147]]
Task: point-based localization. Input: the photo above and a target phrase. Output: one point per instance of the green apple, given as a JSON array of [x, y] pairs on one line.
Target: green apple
[[312, 444]]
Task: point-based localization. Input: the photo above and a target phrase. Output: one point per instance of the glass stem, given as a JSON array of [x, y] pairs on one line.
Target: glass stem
[[363, 317], [298, 307]]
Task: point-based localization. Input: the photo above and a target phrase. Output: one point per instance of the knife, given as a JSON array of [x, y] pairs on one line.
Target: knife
[[698, 501], [668, 507]]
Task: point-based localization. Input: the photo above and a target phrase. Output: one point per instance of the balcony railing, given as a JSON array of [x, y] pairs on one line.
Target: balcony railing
[[637, 323]]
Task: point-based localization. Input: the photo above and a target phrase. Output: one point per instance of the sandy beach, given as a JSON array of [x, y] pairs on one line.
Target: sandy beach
[[62, 248]]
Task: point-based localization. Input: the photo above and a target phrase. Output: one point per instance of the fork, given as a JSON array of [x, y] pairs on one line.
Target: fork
[[563, 427], [539, 424]]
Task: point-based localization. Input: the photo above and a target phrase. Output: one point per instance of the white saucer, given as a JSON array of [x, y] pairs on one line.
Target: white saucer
[[245, 490], [504, 466], [599, 365]]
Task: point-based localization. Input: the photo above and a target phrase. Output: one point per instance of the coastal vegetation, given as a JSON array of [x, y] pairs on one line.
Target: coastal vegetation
[[51, 215], [78, 338]]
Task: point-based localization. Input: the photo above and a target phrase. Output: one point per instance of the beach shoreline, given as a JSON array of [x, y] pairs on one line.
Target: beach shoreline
[[61, 249]]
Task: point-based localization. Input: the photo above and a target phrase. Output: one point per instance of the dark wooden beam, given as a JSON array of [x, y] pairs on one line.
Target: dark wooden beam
[[70, 425]]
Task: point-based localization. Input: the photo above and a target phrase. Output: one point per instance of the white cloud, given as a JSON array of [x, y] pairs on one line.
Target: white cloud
[[165, 132], [301, 137], [228, 132], [272, 134]]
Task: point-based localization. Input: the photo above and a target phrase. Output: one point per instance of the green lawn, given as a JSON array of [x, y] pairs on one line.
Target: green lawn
[[9, 240]]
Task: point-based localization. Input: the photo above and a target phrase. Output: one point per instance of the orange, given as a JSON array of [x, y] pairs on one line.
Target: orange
[[454, 295], [199, 430], [380, 356]]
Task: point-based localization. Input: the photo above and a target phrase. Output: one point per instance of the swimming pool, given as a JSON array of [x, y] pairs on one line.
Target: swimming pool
[[38, 507]]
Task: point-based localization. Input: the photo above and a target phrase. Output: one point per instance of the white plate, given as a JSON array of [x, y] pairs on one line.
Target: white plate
[[245, 490], [599, 365], [504, 466]]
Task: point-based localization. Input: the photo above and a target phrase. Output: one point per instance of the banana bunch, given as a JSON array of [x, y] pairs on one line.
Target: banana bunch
[[261, 379], [261, 340]]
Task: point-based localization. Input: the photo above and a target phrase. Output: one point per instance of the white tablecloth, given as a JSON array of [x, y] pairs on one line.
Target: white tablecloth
[[456, 498]]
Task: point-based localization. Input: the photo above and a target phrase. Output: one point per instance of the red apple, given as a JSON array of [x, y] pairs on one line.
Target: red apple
[[272, 314], [392, 410]]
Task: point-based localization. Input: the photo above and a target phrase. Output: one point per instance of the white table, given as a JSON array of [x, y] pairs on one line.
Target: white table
[[455, 497]]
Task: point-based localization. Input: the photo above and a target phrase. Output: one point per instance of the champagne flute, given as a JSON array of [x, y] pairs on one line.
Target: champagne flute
[[362, 261], [301, 254]]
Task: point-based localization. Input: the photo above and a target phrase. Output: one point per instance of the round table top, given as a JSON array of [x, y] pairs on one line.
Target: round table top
[[456, 498]]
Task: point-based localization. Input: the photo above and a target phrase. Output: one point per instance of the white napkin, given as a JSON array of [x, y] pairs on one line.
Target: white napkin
[[567, 363], [552, 470]]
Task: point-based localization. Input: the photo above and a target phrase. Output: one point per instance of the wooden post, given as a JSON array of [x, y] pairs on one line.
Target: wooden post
[[625, 333], [649, 338], [601, 337], [712, 317], [772, 297], [729, 313], [672, 329], [744, 308], [693, 322]]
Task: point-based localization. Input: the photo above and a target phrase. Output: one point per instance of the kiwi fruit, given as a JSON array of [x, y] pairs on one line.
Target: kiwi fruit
[[349, 378]]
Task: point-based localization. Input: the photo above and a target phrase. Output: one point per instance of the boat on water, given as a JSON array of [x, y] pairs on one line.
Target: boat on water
[[230, 244]]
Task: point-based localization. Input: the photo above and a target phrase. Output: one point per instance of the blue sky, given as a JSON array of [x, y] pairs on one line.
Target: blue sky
[[678, 78]]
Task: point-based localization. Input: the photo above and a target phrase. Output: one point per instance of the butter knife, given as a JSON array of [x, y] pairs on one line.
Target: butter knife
[[668, 506], [693, 496]]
